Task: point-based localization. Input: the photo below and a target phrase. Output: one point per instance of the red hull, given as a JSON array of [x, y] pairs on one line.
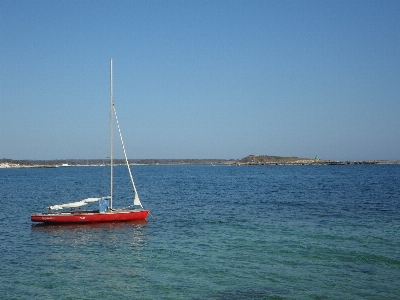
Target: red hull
[[90, 217]]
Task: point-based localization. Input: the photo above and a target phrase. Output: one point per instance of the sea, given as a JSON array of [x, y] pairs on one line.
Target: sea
[[215, 232]]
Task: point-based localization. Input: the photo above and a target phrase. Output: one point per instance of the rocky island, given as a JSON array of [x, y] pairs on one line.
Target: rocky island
[[281, 160]]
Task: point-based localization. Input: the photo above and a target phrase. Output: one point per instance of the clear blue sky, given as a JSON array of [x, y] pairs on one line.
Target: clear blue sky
[[201, 79]]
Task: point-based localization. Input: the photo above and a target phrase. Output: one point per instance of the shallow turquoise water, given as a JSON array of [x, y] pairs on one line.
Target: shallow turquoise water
[[282, 232]]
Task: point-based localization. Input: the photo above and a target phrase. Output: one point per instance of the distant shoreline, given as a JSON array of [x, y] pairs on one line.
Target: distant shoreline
[[10, 163], [251, 160]]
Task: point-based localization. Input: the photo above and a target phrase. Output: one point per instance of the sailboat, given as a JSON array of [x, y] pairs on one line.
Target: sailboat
[[106, 212]]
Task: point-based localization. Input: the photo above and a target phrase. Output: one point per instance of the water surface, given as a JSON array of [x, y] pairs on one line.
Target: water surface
[[216, 232]]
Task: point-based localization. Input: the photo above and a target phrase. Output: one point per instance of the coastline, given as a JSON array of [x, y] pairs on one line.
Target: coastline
[[251, 160]]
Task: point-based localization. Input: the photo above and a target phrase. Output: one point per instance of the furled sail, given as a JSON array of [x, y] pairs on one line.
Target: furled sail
[[76, 204], [136, 201]]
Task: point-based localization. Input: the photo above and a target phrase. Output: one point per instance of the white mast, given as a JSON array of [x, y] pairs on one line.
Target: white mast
[[111, 132]]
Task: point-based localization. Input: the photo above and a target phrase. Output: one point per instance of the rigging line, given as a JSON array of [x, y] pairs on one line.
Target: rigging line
[[126, 158]]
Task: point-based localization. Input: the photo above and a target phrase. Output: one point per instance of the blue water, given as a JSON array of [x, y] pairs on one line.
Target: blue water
[[257, 232]]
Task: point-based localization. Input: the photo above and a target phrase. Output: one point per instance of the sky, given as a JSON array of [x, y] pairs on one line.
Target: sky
[[201, 79]]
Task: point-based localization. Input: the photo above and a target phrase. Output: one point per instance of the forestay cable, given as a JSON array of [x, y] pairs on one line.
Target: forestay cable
[[136, 200]]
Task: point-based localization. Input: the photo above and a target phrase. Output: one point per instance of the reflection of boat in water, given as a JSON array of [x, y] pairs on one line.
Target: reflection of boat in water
[[130, 233], [106, 212], [78, 226]]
